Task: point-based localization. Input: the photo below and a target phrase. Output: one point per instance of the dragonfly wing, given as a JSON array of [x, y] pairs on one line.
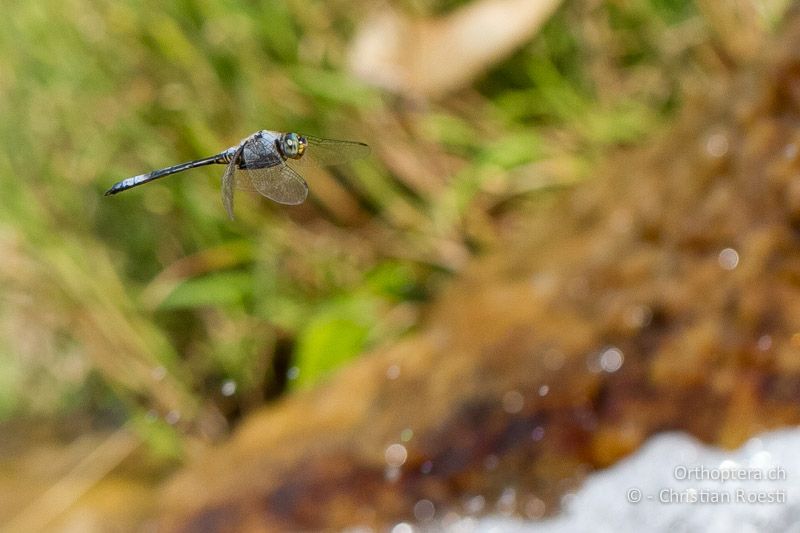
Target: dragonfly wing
[[242, 181], [279, 183], [322, 152], [228, 182]]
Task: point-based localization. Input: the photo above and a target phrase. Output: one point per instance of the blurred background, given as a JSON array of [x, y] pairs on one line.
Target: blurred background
[[140, 329]]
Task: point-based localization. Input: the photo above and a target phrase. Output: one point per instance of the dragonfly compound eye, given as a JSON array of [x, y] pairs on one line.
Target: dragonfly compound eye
[[294, 145]]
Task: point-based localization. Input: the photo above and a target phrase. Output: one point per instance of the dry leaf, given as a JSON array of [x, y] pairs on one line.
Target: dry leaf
[[430, 57]]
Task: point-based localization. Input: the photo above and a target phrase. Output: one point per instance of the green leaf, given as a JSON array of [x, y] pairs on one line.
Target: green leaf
[[222, 288], [329, 340], [162, 439], [392, 279]]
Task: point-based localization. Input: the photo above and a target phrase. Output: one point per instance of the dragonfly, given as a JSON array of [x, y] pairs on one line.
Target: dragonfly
[[266, 162]]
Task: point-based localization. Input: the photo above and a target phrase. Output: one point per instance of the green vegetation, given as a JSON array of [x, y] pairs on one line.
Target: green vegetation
[[148, 301]]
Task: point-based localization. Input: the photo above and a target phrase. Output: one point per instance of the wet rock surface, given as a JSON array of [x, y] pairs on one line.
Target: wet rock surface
[[663, 295]]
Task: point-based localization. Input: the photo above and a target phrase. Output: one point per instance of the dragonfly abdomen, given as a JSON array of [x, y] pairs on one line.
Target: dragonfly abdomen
[[127, 183], [226, 156], [131, 182]]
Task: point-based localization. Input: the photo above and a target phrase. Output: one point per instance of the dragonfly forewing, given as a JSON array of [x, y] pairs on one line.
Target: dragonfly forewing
[[326, 152]]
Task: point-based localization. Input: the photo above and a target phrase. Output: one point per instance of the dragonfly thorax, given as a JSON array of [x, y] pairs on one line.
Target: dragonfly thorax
[[292, 145]]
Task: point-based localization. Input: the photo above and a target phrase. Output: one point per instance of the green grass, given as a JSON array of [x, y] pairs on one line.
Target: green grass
[[155, 298]]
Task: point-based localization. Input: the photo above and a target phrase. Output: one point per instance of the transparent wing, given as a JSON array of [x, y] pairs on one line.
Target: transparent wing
[[228, 181], [278, 183], [322, 152]]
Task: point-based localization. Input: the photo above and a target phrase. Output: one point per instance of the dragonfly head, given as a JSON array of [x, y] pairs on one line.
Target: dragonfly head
[[293, 145]]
